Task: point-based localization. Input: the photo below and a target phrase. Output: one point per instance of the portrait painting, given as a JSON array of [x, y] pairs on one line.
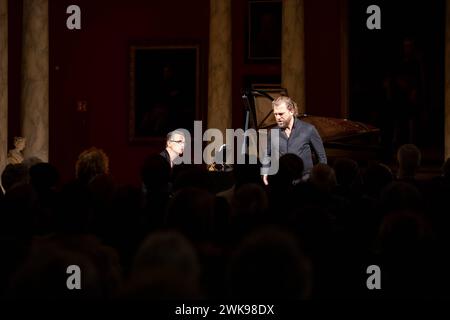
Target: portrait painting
[[164, 90], [264, 30]]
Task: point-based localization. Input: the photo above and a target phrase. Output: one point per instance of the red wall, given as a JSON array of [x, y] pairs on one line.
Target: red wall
[[92, 64], [323, 58]]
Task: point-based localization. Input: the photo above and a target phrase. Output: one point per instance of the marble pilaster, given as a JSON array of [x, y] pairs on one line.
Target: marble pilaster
[[219, 73], [3, 83], [35, 73], [447, 80], [293, 51]]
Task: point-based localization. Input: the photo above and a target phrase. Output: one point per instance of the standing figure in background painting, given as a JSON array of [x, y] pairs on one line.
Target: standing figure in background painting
[[15, 155], [164, 111], [265, 29], [404, 92], [165, 87], [267, 38]]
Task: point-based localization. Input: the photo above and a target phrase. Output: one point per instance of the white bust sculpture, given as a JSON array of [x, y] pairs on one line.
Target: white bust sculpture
[[15, 155]]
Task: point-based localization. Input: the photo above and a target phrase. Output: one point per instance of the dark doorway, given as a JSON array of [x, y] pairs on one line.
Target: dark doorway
[[396, 74]]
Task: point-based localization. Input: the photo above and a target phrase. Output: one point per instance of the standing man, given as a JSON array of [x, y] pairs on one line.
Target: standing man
[[174, 146], [296, 136]]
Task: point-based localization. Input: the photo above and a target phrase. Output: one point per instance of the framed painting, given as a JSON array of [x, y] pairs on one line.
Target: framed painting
[[264, 30], [164, 90]]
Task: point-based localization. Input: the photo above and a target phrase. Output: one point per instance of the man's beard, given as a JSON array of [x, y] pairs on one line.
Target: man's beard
[[283, 124]]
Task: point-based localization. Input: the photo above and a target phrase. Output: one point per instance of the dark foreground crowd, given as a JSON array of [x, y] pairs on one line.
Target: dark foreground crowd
[[188, 233]]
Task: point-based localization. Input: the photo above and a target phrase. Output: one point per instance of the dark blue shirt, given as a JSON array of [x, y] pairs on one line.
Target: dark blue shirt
[[303, 136]]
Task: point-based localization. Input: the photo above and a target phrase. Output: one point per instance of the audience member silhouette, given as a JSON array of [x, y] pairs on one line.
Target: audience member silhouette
[[91, 163], [275, 257], [166, 267]]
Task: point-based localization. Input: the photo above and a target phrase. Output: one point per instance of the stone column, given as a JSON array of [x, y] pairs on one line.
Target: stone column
[[447, 79], [344, 59], [35, 105], [3, 83], [293, 51], [219, 73]]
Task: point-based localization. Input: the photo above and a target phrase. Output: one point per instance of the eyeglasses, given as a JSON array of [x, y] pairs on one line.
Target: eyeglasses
[[178, 141]]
